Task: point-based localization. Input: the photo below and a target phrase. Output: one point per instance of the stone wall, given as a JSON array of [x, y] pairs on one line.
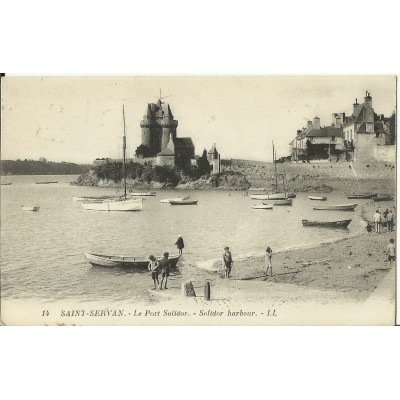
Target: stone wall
[[385, 153]]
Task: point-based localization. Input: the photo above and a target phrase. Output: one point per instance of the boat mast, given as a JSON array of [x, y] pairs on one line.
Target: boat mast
[[123, 150], [274, 161]]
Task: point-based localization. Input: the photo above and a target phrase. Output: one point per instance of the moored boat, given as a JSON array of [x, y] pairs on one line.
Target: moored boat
[[114, 205], [285, 202], [30, 208], [143, 194], [337, 207], [175, 199], [361, 195], [45, 182], [94, 198], [327, 224], [131, 262], [183, 202], [320, 198], [6, 183], [269, 196], [263, 207]]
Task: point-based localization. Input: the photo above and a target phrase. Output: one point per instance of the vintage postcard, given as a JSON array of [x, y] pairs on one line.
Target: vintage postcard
[[198, 200]]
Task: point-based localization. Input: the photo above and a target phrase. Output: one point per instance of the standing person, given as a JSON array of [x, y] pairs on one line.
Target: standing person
[[179, 243], [227, 258], [268, 260], [153, 268], [390, 218], [165, 267], [384, 218], [377, 221], [391, 252]]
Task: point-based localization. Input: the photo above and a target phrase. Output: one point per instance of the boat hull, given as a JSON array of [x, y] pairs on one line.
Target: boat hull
[[287, 202], [123, 205], [129, 262], [361, 196], [175, 199], [338, 207], [143, 194], [30, 208], [272, 196], [263, 207], [327, 224], [319, 198], [183, 203]]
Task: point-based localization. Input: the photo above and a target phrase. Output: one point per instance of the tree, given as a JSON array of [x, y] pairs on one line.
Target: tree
[[142, 151], [203, 164]]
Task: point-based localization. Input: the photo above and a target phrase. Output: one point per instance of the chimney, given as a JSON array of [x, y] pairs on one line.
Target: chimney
[[309, 123], [382, 117], [355, 105], [316, 123], [368, 100]]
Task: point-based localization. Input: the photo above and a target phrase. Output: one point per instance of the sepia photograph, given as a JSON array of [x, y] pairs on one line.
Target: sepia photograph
[[198, 200]]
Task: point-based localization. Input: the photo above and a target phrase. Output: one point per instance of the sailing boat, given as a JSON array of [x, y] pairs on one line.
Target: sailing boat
[[276, 198], [122, 203]]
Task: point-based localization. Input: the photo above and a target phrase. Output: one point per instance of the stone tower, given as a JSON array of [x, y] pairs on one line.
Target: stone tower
[[158, 125], [214, 158]]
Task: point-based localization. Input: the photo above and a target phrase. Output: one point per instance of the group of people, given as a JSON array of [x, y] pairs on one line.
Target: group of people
[[163, 266], [381, 221]]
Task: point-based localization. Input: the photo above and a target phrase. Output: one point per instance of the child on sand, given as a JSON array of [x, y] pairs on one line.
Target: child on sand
[[391, 252], [268, 260], [227, 258], [368, 228], [153, 268]]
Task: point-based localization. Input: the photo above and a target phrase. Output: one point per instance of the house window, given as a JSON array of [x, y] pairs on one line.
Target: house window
[[333, 138]]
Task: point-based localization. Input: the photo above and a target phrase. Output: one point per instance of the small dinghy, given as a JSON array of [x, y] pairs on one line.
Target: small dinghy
[[263, 207], [174, 199], [285, 202], [183, 202], [383, 198], [320, 198], [327, 224], [142, 262], [361, 195], [337, 207], [30, 208], [140, 194]]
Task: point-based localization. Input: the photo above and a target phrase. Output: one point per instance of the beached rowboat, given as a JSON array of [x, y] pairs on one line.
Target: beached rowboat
[[327, 224], [320, 198], [337, 207], [263, 207], [286, 202], [361, 196], [45, 182], [30, 208], [131, 262], [6, 183], [183, 202]]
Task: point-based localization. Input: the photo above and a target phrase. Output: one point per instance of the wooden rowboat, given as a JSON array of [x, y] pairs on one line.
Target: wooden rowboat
[[102, 260], [327, 224], [183, 202], [285, 202], [46, 182], [336, 207], [30, 208], [320, 198], [139, 194], [263, 207], [175, 199], [361, 195], [6, 183]]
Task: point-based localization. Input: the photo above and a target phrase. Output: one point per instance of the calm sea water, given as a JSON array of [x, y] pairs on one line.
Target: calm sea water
[[42, 253]]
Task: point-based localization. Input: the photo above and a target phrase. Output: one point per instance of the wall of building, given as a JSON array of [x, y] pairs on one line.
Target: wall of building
[[385, 153], [168, 161], [365, 147]]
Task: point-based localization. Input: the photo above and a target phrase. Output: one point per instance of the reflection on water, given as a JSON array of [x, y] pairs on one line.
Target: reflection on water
[[42, 253]]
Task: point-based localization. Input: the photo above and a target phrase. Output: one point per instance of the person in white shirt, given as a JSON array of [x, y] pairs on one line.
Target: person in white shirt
[[377, 221]]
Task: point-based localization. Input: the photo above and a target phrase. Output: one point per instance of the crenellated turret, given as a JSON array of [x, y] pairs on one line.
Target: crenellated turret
[[169, 126]]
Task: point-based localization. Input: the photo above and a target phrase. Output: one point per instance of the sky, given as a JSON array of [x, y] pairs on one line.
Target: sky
[[78, 119]]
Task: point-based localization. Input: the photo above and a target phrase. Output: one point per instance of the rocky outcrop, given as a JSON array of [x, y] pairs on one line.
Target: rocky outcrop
[[223, 181]]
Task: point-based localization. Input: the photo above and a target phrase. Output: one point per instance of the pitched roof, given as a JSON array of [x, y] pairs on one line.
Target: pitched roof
[[357, 113], [325, 132], [166, 152]]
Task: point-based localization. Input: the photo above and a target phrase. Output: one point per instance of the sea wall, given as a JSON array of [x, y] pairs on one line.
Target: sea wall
[[385, 153]]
